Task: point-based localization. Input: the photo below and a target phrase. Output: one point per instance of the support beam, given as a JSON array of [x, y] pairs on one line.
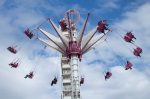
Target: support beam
[[51, 44], [60, 34], [82, 31], [69, 25], [94, 42], [53, 39], [88, 37]]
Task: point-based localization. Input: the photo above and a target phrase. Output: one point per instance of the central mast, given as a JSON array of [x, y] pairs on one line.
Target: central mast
[[69, 63]]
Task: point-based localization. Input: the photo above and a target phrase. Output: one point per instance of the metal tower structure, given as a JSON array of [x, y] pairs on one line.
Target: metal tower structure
[[72, 45]]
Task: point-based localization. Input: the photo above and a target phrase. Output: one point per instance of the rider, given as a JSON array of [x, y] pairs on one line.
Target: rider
[[54, 81], [108, 75], [102, 26], [128, 65], [14, 65], [82, 81], [130, 35], [30, 75], [63, 25], [28, 33], [137, 51]]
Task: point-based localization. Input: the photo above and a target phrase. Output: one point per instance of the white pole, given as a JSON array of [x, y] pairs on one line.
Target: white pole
[[74, 63]]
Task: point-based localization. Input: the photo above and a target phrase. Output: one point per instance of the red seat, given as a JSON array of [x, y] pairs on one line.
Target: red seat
[[127, 38], [137, 51], [12, 50], [130, 35], [63, 25], [102, 26]]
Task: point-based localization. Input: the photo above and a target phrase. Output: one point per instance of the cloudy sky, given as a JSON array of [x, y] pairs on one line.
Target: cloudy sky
[[122, 16]]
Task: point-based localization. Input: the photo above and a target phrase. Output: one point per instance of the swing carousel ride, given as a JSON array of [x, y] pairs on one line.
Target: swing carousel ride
[[72, 45]]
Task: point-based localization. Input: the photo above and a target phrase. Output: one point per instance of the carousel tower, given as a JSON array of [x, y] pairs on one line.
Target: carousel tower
[[72, 45]]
